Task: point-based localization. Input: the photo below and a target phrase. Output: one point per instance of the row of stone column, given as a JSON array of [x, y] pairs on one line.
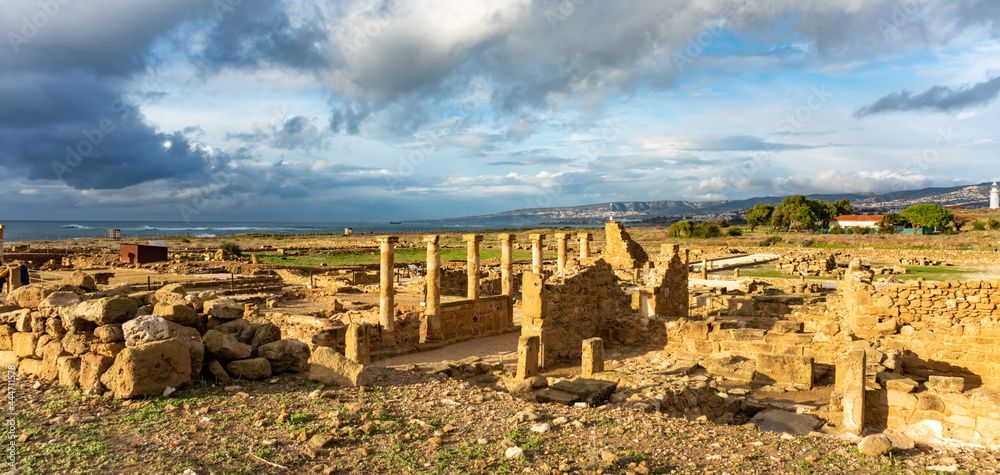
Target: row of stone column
[[433, 300]]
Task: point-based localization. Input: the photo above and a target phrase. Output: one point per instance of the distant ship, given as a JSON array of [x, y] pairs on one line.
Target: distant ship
[[395, 222]]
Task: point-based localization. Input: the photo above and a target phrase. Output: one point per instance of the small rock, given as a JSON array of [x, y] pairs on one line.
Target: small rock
[[514, 452], [943, 468], [320, 441], [559, 421], [435, 441], [874, 445], [609, 458], [482, 441], [233, 388], [541, 428], [167, 392], [527, 416]]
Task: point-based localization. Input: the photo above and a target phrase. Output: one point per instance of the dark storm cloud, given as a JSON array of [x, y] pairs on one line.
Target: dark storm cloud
[[257, 34], [69, 112], [937, 98]]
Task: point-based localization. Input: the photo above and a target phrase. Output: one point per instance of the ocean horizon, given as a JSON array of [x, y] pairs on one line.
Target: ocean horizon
[[18, 231]]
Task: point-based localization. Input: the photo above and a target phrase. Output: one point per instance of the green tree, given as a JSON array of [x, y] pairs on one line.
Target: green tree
[[803, 218], [927, 215], [888, 223], [843, 206], [707, 230], [681, 229], [759, 215], [961, 220]]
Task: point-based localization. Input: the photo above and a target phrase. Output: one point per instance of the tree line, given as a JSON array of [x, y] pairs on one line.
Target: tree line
[[797, 213]]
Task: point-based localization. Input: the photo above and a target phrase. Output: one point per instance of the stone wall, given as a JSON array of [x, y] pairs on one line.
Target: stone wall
[[586, 302], [469, 318], [620, 250], [808, 263]]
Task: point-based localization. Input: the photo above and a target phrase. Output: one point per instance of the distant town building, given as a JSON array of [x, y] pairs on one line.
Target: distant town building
[[856, 221], [995, 197]]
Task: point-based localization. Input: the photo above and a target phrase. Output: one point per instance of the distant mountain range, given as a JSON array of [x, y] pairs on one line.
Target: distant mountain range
[[969, 196]]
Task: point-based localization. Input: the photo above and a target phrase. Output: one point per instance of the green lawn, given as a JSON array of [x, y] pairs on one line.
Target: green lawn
[[402, 256], [936, 274]]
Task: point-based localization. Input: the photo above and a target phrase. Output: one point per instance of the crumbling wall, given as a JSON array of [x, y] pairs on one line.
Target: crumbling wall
[[586, 302], [668, 284], [620, 250], [808, 263]]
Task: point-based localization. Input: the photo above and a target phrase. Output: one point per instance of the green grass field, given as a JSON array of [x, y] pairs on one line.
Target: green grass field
[[936, 274]]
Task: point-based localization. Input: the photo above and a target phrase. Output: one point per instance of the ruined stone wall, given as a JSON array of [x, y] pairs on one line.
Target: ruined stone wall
[[808, 263], [620, 250], [586, 303], [468, 318], [939, 411]]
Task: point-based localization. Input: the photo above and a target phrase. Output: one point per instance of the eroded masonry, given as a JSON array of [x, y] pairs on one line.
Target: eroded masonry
[[861, 352]]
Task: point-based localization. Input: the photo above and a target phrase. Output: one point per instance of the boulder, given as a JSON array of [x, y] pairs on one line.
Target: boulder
[[285, 355], [77, 343], [110, 333], [149, 369], [82, 280], [182, 314], [120, 290], [254, 368], [193, 339], [92, 367], [68, 368], [225, 346], [144, 329], [216, 369], [107, 310], [164, 293], [224, 309], [32, 295], [328, 366], [875, 445], [60, 299], [265, 333]]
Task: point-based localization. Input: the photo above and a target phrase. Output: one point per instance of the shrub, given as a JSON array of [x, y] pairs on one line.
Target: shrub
[[979, 226], [770, 241], [994, 223], [807, 242], [734, 231], [232, 248], [706, 230], [836, 230]]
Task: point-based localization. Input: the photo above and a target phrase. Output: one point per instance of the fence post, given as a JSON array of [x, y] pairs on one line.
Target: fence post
[[149, 284]]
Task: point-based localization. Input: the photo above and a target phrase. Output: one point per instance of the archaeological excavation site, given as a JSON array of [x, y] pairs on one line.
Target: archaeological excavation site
[[549, 351]]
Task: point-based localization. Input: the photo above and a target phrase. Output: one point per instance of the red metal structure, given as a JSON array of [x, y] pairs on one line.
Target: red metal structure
[[142, 254]]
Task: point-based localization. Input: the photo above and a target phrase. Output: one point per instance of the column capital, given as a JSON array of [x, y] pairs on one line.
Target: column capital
[[432, 239], [506, 237], [562, 236], [585, 235], [537, 237], [472, 237], [388, 239]]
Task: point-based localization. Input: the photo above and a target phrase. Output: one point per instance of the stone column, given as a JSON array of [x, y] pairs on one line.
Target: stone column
[[851, 383], [357, 347], [387, 291], [584, 245], [527, 356], [704, 269], [472, 242], [506, 264], [536, 252], [432, 303], [593, 357], [561, 256], [1, 242]]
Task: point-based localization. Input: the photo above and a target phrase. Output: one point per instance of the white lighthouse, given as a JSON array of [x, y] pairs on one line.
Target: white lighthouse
[[995, 196]]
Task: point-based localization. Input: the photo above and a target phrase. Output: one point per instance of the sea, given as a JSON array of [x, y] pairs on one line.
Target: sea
[[17, 231]]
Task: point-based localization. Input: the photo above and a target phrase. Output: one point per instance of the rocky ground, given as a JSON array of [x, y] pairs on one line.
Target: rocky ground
[[410, 422]]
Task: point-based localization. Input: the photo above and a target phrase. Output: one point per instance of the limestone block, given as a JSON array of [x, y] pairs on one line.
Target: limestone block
[[225, 346], [593, 357], [253, 369], [92, 367], [784, 370], [149, 369], [144, 329], [182, 314], [69, 370], [328, 366], [358, 343], [527, 356], [851, 385], [107, 310], [82, 280], [946, 384], [60, 299], [24, 344], [225, 309], [286, 355], [109, 333], [786, 326]]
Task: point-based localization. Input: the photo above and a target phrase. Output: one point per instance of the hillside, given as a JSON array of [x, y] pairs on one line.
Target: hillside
[[970, 196]]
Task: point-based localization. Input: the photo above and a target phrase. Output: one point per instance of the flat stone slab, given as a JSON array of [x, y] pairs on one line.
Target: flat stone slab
[[776, 420], [557, 397], [591, 391]]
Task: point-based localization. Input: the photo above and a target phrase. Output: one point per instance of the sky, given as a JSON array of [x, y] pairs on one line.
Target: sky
[[374, 110]]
